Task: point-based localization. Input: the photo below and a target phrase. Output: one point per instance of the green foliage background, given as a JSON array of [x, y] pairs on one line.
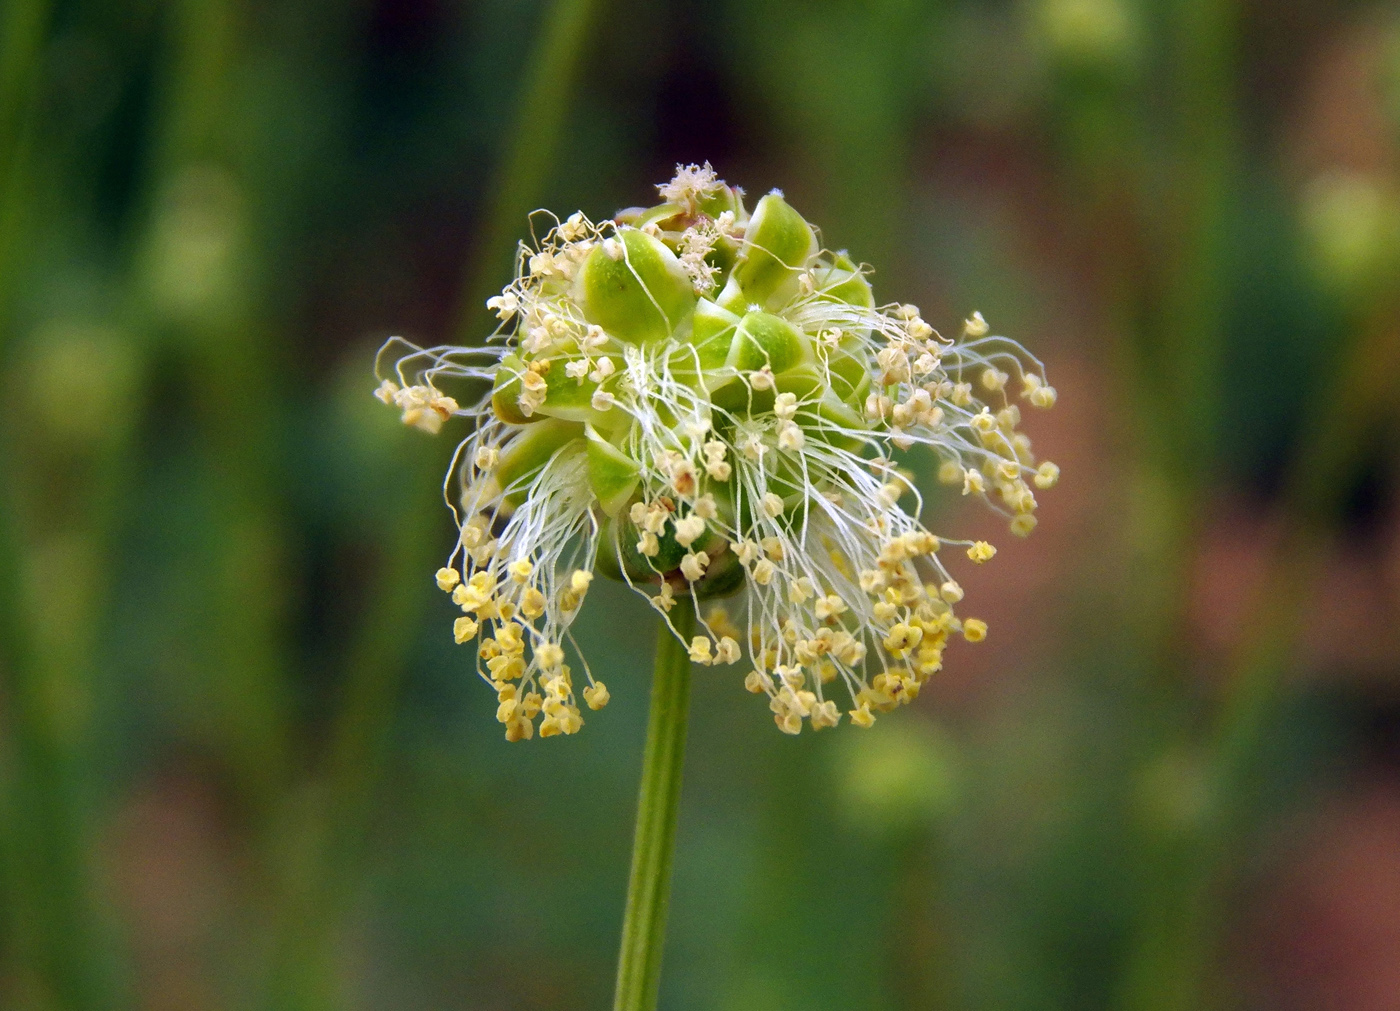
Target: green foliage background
[[242, 763]]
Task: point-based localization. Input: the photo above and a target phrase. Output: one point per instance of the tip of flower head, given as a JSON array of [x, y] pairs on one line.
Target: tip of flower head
[[700, 401], [690, 184]]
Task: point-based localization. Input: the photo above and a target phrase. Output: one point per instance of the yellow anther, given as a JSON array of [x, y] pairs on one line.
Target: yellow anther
[[578, 582], [505, 712], [763, 572], [520, 570], [788, 722], [508, 637], [727, 651], [1023, 524], [800, 590], [505, 667], [532, 603], [693, 565], [689, 530], [790, 437], [825, 714], [1045, 396], [447, 579], [596, 695], [975, 325], [666, 599], [700, 649], [981, 551], [772, 505], [464, 630], [903, 637], [757, 681], [850, 653], [773, 548], [973, 483], [884, 610], [863, 717], [648, 545], [974, 630], [993, 379], [570, 721], [549, 655], [829, 608], [951, 592], [519, 729], [950, 472], [1046, 475]]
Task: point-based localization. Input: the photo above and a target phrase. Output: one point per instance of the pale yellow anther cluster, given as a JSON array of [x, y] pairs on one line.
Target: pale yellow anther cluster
[[422, 406], [524, 665], [733, 428]]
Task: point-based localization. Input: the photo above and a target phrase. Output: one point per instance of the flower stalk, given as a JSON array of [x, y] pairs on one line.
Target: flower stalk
[[658, 802]]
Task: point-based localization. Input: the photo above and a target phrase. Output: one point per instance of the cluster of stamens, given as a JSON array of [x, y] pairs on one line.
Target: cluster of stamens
[[690, 399]]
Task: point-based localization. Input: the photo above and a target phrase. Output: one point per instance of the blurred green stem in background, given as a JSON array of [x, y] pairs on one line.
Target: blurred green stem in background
[[1154, 139], [1179, 364], [25, 25], [50, 923], [326, 846], [658, 804]]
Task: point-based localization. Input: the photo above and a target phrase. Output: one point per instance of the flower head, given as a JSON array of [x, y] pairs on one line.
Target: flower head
[[701, 402]]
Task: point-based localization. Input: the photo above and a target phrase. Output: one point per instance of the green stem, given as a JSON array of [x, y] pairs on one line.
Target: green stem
[[658, 800]]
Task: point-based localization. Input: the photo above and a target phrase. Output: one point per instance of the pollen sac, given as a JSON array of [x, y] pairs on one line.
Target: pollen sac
[[701, 402]]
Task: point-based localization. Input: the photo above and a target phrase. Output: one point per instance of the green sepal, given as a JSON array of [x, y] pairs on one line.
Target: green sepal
[[529, 452], [778, 243], [730, 198], [764, 339], [833, 409], [642, 296], [803, 380], [850, 372], [842, 281], [711, 335], [613, 475]]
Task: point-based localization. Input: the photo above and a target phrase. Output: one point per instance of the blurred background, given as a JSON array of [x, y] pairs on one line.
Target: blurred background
[[242, 764]]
